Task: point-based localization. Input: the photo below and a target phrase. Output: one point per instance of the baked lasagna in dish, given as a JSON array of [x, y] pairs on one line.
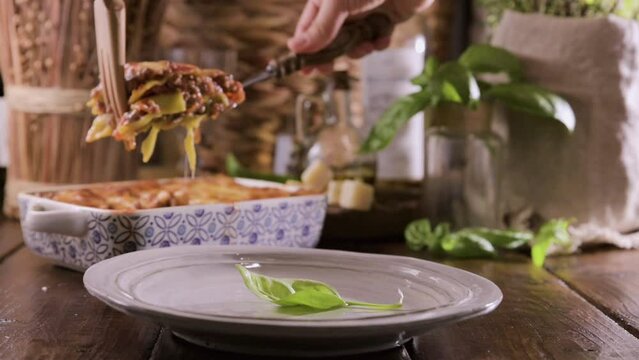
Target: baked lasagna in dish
[[165, 193], [163, 95]]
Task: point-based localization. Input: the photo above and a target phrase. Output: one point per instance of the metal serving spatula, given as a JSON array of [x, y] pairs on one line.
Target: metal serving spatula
[[370, 28], [110, 35]]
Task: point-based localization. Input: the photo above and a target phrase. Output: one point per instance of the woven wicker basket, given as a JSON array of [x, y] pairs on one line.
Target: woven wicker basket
[[49, 66]]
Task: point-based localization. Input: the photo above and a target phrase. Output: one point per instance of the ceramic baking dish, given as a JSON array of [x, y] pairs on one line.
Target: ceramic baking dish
[[77, 237]]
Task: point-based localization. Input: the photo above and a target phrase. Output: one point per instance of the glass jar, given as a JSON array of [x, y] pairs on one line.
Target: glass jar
[[337, 141], [463, 167]]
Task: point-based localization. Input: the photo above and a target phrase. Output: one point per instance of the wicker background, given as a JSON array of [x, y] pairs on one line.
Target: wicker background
[[258, 31], [50, 45]]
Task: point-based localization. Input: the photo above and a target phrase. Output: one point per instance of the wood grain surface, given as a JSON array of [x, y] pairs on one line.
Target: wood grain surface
[[609, 279], [10, 237], [583, 307], [539, 318], [45, 313]]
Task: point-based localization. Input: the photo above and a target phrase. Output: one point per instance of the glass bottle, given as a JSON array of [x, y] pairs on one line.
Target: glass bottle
[[463, 167], [338, 142], [386, 77]]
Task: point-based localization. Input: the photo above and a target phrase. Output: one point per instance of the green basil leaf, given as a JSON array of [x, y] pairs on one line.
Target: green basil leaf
[[264, 286], [393, 119], [449, 93], [504, 239], [376, 306], [418, 235], [484, 58], [455, 83], [553, 232], [430, 68], [534, 100], [235, 169], [301, 293], [299, 285], [441, 230], [467, 245], [313, 298]]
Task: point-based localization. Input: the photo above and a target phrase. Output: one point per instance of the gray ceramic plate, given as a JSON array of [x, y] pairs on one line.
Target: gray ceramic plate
[[200, 296]]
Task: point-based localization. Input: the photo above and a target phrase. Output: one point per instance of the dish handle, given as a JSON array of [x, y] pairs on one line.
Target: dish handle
[[47, 219]]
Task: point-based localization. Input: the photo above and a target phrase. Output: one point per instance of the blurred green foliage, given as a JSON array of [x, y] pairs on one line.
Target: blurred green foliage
[[565, 8]]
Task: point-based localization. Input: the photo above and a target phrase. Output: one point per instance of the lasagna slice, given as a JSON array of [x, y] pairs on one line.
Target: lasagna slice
[[151, 194], [163, 95]]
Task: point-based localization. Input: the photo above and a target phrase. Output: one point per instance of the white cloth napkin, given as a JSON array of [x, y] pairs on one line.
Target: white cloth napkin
[[593, 174]]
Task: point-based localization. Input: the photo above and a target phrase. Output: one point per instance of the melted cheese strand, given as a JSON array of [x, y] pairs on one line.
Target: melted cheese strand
[[189, 148]]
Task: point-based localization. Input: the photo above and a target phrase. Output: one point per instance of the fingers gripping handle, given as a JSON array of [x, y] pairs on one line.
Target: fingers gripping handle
[[368, 29]]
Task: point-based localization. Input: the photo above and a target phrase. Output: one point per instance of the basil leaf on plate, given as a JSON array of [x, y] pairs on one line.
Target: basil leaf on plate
[[264, 286], [534, 100], [305, 293], [554, 232], [393, 119], [313, 298], [300, 285], [484, 58]]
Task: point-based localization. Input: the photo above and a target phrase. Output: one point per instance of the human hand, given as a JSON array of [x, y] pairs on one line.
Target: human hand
[[321, 20]]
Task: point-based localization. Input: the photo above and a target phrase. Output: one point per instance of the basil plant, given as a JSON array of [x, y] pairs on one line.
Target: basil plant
[[482, 73]]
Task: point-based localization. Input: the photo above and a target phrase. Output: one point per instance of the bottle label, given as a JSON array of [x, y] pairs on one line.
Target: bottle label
[[387, 77]]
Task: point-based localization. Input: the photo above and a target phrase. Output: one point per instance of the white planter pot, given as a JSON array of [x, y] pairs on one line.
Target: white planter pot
[[592, 175]]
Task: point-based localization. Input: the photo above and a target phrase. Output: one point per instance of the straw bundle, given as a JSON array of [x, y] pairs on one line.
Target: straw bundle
[[257, 31], [49, 65]]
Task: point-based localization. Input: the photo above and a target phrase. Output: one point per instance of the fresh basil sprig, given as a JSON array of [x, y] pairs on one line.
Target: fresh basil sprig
[[235, 169], [466, 244], [534, 100], [484, 242], [489, 59], [554, 232], [394, 119], [308, 293], [464, 82]]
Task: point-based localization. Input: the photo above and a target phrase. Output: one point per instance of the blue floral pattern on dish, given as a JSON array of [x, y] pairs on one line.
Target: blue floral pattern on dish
[[198, 223], [295, 222]]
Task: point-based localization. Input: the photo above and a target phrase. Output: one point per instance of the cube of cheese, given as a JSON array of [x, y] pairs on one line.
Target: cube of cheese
[[334, 191], [317, 176], [356, 195]]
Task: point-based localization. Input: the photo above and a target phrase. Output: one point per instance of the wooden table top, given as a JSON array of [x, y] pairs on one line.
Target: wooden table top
[[578, 307]]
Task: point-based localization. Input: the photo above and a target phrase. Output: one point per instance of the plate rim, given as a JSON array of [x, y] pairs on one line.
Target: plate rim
[[488, 300]]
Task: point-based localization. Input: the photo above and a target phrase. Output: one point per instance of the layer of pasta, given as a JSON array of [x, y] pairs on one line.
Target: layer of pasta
[[163, 95]]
